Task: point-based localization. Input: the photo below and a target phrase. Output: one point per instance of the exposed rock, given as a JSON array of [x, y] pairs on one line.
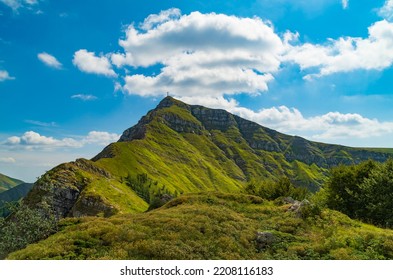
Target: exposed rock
[[62, 187], [298, 206], [289, 200], [88, 166], [91, 206], [63, 200], [264, 240], [213, 119], [181, 125], [136, 132]]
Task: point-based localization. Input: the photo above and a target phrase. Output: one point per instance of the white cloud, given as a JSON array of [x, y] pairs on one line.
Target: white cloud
[[13, 4], [346, 53], [17, 4], [7, 160], [84, 97], [13, 140], [164, 16], [31, 140], [49, 60], [5, 76], [90, 63], [101, 137], [332, 125], [210, 54], [43, 124], [387, 10]]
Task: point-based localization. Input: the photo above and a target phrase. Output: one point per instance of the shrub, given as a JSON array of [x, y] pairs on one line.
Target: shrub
[[25, 226], [272, 190]]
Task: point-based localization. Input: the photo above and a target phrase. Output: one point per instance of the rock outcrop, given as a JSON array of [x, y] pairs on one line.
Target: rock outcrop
[[61, 188]]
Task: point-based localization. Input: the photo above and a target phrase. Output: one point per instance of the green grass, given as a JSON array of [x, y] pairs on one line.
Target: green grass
[[175, 160], [214, 226]]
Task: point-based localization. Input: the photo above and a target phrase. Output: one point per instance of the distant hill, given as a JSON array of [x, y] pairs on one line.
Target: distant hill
[[12, 195], [7, 182]]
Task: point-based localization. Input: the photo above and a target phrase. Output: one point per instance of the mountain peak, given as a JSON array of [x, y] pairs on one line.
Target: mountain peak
[[169, 101]]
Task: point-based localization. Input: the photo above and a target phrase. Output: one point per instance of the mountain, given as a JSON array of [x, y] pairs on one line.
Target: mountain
[[7, 182], [179, 148], [13, 194], [173, 187]]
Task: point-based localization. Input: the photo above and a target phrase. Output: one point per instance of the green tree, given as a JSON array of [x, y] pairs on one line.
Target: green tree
[[271, 190], [377, 198], [363, 191]]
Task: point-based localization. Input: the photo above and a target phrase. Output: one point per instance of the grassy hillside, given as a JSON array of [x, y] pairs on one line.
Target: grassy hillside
[[7, 182], [215, 226]]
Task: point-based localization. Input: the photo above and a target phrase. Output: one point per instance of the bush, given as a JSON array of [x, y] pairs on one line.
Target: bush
[[272, 190], [363, 191], [25, 226]]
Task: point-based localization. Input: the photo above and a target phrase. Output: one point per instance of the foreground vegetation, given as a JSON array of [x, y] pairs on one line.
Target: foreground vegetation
[[215, 226], [269, 220]]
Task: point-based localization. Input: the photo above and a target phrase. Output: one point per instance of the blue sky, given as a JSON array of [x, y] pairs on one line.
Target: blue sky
[[75, 74]]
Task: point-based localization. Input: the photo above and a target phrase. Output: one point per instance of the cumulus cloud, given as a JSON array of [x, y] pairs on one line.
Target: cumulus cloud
[[49, 60], [4, 75], [213, 55], [7, 160], [90, 63], [210, 54], [84, 97], [101, 137], [332, 125], [387, 10], [31, 140], [164, 16], [346, 53]]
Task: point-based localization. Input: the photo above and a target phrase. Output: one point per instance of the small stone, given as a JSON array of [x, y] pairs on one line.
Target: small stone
[[264, 240]]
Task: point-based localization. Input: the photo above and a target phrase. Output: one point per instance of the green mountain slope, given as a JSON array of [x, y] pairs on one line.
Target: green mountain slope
[[213, 149], [178, 148], [215, 226], [7, 182]]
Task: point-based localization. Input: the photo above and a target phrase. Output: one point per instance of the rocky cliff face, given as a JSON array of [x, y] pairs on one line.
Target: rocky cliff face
[[62, 187]]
